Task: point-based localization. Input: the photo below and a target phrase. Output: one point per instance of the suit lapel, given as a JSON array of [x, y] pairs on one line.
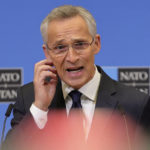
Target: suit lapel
[[105, 100], [58, 101], [106, 93]]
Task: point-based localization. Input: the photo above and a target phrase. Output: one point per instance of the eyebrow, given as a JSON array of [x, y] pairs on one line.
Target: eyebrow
[[79, 40], [59, 41], [73, 40]]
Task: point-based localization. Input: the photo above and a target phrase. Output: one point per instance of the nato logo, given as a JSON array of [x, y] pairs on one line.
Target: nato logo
[[136, 77], [10, 81]]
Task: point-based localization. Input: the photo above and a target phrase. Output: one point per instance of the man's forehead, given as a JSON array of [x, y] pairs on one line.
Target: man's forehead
[[72, 22], [73, 29]]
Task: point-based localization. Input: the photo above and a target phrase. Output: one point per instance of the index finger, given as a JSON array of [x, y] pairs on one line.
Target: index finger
[[44, 62]]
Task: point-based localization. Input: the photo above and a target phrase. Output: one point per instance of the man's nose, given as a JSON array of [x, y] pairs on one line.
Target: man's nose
[[72, 55]]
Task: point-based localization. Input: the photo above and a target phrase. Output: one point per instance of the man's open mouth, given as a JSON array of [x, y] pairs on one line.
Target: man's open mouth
[[77, 69]]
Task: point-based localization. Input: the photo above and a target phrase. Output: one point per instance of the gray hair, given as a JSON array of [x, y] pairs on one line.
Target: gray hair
[[68, 11]]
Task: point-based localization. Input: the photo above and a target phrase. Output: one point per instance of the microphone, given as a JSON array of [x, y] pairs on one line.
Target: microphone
[[9, 109], [47, 79], [7, 114]]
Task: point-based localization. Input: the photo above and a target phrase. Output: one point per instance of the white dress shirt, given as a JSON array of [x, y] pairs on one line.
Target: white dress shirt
[[88, 100]]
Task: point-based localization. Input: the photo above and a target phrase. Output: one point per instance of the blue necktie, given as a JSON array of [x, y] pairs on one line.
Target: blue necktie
[[75, 95], [76, 114]]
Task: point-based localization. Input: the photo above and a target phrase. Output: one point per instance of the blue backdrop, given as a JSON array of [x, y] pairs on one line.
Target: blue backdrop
[[124, 26]]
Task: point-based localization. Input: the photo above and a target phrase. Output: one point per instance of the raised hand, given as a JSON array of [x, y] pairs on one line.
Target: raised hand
[[44, 91]]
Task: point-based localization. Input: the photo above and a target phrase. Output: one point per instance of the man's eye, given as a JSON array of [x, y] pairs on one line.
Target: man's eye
[[60, 47], [79, 44]]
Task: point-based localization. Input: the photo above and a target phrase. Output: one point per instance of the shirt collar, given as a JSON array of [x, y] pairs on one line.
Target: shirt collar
[[89, 89]]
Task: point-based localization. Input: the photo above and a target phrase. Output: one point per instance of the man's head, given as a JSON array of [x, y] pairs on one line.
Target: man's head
[[70, 42], [68, 11]]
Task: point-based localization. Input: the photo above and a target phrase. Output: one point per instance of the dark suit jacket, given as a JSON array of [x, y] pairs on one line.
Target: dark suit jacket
[[111, 94]]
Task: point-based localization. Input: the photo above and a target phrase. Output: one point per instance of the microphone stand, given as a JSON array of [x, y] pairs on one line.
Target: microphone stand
[[7, 114]]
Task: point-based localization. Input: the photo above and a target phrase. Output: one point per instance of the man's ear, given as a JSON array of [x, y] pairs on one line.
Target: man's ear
[[46, 52], [97, 44]]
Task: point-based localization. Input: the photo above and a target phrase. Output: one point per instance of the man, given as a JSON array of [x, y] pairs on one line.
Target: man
[[70, 44]]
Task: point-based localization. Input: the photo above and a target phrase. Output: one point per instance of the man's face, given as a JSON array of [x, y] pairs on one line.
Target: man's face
[[75, 68]]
